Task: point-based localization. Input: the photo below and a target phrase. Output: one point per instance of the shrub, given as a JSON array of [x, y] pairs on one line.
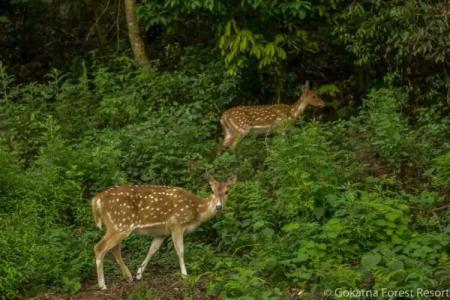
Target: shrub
[[386, 128]]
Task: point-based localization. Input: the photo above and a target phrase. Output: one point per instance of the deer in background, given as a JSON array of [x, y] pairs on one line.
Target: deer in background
[[238, 121], [155, 210]]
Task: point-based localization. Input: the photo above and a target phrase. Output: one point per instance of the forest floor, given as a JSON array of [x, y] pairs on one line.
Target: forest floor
[[159, 286]]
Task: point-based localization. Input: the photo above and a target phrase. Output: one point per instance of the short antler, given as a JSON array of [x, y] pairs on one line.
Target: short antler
[[305, 87]]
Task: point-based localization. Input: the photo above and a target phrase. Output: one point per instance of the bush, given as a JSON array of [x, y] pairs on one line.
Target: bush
[[386, 128]]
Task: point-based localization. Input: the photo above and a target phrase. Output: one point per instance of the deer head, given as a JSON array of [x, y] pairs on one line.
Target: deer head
[[307, 97], [220, 191]]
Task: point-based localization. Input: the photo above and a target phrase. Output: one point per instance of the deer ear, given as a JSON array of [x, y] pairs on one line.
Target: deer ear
[[212, 180], [232, 180], [306, 86]]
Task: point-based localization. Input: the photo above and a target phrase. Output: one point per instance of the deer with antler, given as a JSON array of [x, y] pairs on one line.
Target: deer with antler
[[155, 210], [238, 121]]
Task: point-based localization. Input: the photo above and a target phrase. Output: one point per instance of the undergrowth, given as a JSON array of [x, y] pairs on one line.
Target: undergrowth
[[359, 203]]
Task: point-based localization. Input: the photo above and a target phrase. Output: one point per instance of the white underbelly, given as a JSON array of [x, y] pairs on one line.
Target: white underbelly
[[262, 129], [155, 231]]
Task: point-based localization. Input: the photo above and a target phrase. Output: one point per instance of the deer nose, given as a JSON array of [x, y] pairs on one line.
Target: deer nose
[[219, 206]]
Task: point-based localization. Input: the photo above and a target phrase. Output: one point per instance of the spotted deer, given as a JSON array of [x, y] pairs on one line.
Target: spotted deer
[[238, 121], [158, 211]]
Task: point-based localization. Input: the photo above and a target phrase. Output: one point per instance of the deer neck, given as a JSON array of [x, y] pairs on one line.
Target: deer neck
[[207, 209], [298, 108]]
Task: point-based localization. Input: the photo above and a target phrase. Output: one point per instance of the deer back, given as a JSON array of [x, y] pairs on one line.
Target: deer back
[[257, 116], [150, 207]]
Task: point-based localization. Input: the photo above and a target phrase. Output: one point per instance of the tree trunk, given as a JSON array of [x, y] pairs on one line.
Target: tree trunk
[[136, 41]]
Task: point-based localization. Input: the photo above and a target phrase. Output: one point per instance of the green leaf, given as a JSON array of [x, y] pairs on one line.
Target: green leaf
[[281, 53], [370, 260], [291, 227], [228, 28]]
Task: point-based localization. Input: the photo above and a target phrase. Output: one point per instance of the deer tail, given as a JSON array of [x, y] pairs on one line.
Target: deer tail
[[96, 205]]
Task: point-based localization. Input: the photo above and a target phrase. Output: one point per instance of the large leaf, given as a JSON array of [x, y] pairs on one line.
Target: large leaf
[[370, 260]]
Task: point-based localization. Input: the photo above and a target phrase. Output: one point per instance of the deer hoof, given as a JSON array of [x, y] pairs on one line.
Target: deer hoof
[[139, 274]]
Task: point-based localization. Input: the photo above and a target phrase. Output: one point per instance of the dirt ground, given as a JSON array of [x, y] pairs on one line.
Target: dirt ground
[[161, 287]]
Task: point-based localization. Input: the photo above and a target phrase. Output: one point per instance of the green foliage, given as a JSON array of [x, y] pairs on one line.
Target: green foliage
[[250, 33], [236, 44], [386, 127], [399, 32], [142, 293], [10, 179], [248, 214], [403, 36], [441, 170], [390, 137], [358, 203], [242, 283], [294, 162], [50, 239]]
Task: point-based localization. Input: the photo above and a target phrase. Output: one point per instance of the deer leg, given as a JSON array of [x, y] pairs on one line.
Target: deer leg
[[233, 140], [237, 136], [232, 135], [99, 256], [177, 238], [100, 249], [156, 243], [237, 133], [227, 139], [233, 143], [118, 256], [227, 133]]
